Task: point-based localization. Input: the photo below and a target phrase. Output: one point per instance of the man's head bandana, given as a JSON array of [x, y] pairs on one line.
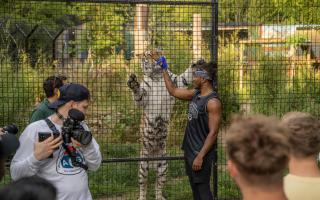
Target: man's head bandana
[[202, 73]]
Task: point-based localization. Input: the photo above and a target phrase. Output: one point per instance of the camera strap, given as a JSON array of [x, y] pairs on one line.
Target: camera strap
[[52, 127], [71, 151]]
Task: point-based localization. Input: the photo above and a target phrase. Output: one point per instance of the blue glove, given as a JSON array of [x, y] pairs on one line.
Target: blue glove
[[162, 62]]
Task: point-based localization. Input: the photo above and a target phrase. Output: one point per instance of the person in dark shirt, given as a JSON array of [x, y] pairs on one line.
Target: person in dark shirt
[[9, 143], [203, 124], [51, 88]]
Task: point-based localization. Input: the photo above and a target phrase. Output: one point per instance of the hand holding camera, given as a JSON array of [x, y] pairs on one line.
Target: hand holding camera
[[44, 149], [73, 129], [72, 132], [11, 129]]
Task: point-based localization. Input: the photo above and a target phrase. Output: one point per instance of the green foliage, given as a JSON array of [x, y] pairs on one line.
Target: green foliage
[[121, 179], [304, 94], [177, 125], [105, 27], [103, 32], [267, 84], [269, 11], [296, 40], [273, 91], [227, 78], [19, 91]]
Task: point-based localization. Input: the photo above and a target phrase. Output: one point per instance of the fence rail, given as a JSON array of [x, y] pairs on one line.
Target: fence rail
[[268, 53]]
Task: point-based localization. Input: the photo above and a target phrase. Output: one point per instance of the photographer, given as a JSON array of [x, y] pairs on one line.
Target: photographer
[[52, 158], [8, 145]]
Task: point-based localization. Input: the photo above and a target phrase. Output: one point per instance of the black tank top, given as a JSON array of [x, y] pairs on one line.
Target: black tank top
[[197, 127]]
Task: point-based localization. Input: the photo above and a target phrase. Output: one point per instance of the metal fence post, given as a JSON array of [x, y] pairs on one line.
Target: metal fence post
[[214, 58]]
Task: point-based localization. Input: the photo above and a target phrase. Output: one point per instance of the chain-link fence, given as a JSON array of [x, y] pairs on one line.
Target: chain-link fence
[[268, 57]]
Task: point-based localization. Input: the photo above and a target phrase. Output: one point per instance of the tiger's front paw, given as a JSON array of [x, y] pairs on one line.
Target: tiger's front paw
[[133, 83]]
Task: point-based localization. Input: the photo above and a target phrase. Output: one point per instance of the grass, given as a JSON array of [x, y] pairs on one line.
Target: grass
[[120, 180]]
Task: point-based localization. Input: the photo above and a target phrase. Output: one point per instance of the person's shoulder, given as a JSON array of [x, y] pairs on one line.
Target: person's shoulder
[[33, 128], [214, 95], [42, 104], [294, 178], [196, 92], [38, 115], [214, 102], [214, 106], [40, 108], [287, 177], [37, 124]]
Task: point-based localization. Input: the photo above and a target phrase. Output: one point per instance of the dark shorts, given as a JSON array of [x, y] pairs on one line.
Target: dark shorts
[[201, 176]]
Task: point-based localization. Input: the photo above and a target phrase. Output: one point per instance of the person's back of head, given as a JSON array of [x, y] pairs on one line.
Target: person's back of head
[[51, 84], [258, 151], [64, 79], [304, 141], [29, 188], [303, 135]]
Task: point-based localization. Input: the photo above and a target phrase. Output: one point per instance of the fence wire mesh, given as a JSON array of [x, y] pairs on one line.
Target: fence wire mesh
[[268, 58]]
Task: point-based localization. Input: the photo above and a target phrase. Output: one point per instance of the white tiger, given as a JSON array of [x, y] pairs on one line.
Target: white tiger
[[157, 104]]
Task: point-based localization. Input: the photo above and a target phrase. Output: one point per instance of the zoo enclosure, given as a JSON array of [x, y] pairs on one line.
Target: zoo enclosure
[[268, 57]]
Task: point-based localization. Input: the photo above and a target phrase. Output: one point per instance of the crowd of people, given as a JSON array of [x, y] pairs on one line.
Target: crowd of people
[[268, 158]]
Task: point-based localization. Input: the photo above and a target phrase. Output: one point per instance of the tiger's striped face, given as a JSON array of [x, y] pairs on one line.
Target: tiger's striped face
[[148, 63]]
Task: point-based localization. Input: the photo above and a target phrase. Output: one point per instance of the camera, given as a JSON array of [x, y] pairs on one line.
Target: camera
[[11, 129], [72, 128], [9, 143]]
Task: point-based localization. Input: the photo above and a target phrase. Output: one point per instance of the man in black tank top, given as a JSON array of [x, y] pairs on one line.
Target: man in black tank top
[[203, 124]]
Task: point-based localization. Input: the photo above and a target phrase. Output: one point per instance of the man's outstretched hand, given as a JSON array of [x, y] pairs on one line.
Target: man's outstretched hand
[[162, 61]]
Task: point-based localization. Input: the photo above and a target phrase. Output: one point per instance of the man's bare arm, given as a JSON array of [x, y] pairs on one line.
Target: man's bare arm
[[214, 114], [180, 93]]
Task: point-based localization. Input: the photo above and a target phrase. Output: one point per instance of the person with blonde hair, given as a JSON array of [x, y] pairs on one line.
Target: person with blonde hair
[[303, 180], [258, 153]]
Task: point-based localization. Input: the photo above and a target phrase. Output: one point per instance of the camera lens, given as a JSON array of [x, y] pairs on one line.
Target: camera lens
[[12, 129], [82, 136]]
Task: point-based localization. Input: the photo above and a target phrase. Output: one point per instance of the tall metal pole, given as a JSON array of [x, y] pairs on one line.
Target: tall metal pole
[[214, 26], [214, 58]]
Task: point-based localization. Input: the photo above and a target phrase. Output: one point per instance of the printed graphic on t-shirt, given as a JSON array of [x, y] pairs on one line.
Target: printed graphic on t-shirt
[[193, 111], [64, 163]]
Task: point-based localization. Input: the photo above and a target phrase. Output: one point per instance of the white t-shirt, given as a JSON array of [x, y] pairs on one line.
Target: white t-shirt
[[302, 188], [71, 182]]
